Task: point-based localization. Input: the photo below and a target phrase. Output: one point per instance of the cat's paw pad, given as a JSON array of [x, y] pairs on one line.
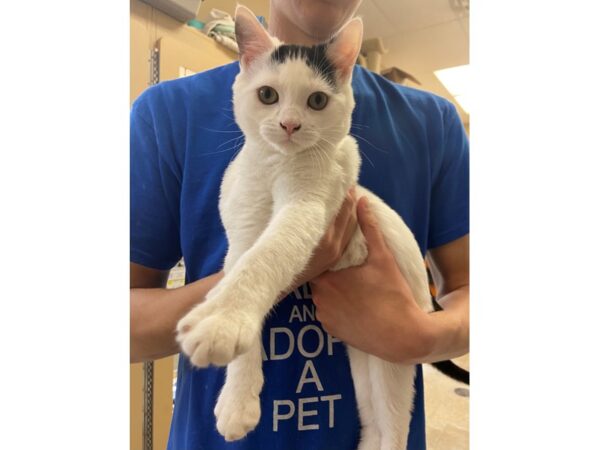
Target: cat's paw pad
[[236, 416], [190, 321], [215, 339]]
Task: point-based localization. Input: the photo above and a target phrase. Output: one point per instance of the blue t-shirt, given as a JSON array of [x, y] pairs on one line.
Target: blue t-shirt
[[183, 136]]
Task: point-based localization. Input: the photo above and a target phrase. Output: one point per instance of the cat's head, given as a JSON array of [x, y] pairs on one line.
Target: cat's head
[[291, 97]]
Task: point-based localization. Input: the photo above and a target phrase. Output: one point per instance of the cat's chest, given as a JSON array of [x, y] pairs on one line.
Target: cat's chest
[[268, 176]]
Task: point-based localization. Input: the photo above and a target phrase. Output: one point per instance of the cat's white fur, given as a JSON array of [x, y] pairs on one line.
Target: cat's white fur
[[278, 197]]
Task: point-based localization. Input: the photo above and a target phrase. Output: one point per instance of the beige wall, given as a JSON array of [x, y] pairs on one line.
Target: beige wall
[[258, 7], [149, 26]]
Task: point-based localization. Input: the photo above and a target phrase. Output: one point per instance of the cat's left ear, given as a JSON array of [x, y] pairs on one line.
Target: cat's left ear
[[252, 39], [344, 48]]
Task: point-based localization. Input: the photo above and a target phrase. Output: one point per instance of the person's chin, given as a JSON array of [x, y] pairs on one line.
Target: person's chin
[[321, 20], [322, 29]]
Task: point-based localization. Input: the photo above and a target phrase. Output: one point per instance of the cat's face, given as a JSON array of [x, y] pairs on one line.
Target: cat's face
[[291, 105], [293, 98]]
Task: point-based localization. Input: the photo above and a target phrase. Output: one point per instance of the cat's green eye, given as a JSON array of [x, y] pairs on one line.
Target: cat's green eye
[[268, 95], [318, 100]]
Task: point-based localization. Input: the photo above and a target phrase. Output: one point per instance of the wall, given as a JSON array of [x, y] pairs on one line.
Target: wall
[[148, 25]]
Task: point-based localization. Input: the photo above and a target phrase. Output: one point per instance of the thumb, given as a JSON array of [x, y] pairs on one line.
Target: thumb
[[370, 227]]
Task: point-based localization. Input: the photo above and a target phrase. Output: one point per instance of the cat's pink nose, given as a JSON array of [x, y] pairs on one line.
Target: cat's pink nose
[[290, 127]]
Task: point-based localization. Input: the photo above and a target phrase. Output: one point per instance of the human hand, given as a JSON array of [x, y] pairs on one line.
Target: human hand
[[334, 242], [371, 306]]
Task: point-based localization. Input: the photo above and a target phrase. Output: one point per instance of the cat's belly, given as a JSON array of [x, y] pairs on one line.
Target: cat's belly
[[401, 242]]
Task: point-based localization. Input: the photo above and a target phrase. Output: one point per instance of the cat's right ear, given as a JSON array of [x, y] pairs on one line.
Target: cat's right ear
[[344, 48], [252, 39]]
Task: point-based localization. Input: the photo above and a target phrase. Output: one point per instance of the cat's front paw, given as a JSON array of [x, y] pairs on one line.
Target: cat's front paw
[[216, 337], [237, 415]]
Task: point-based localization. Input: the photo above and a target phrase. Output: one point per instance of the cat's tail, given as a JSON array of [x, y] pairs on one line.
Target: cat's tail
[[447, 367], [450, 369]]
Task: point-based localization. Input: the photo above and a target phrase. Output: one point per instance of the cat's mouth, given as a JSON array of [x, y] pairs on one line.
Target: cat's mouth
[[288, 144], [285, 143]]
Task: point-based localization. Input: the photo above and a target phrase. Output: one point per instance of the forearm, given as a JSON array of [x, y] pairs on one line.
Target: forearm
[[450, 327], [154, 315]]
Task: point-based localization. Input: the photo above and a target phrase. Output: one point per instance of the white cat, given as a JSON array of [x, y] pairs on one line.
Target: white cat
[[278, 197]]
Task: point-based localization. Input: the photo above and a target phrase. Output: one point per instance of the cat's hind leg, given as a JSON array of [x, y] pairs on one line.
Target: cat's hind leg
[[392, 389], [359, 365], [238, 408]]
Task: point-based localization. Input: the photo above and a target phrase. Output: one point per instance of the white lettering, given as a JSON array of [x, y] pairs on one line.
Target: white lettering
[[302, 413], [286, 331], [309, 367], [283, 341], [309, 311], [280, 413], [305, 292], [277, 417], [264, 353], [304, 295], [303, 351], [331, 399], [330, 341], [295, 314]]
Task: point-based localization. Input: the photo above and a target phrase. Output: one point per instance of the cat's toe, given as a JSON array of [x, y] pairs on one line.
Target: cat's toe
[[237, 417], [217, 339], [191, 320]]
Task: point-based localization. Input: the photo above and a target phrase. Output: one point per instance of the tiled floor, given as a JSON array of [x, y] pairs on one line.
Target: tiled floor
[[447, 412]]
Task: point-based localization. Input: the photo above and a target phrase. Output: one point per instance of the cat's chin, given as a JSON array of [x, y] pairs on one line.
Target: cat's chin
[[289, 147]]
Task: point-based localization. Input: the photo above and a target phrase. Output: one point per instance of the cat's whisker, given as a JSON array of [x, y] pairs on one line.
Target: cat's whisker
[[232, 139], [362, 152], [319, 161], [220, 131], [329, 142], [369, 142], [365, 155], [236, 153], [323, 155], [312, 161], [231, 120], [229, 149]]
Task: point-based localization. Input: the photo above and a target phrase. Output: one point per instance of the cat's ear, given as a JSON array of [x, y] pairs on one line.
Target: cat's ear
[[252, 39], [343, 49]]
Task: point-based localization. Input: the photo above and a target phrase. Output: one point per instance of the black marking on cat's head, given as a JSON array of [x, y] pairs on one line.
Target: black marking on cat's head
[[315, 57]]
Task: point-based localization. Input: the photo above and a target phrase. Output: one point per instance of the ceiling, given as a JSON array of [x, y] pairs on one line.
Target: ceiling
[[420, 36]]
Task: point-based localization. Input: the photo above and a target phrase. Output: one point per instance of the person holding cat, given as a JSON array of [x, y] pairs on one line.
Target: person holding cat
[[416, 159]]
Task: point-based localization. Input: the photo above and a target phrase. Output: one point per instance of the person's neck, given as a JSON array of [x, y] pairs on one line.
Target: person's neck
[[286, 31]]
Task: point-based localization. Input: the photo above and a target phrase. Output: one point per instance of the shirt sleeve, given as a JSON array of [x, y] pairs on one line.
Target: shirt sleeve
[[449, 213], [154, 193]]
